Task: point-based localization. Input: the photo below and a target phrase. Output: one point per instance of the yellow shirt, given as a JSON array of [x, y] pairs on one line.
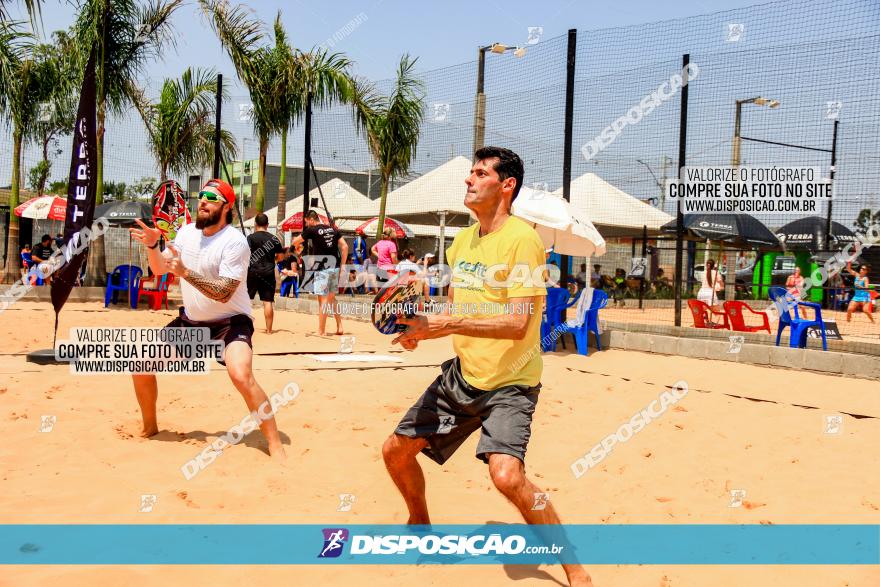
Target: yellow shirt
[[484, 279]]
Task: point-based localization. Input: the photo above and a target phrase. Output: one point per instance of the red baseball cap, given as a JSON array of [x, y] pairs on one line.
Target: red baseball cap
[[221, 188]]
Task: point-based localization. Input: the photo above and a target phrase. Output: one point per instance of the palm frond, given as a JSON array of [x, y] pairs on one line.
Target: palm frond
[[15, 45], [327, 77], [127, 36], [393, 123], [240, 33], [181, 122], [33, 9]]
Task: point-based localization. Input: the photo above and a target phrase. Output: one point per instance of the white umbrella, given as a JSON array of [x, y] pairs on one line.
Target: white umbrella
[[43, 208], [558, 223]]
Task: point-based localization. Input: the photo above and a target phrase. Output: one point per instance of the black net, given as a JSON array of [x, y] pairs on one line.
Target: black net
[[817, 58]]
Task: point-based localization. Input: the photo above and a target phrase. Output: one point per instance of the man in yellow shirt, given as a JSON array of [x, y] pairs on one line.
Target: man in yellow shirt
[[494, 314]]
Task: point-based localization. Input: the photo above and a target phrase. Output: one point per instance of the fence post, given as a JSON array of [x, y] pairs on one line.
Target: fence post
[[828, 228], [218, 105], [679, 218], [569, 137]]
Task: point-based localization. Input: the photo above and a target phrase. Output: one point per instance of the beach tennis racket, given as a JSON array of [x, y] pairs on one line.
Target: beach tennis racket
[[170, 213], [393, 302]]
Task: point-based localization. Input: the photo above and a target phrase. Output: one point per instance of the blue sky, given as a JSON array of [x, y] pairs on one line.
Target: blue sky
[[804, 53], [439, 33]]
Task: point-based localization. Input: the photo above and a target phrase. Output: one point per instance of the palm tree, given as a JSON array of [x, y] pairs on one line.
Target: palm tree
[[288, 103], [242, 36], [180, 125], [282, 82], [392, 126], [125, 36], [57, 113], [25, 80], [324, 79], [32, 7]]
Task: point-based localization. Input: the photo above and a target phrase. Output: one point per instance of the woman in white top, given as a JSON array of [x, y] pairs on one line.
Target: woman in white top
[[712, 284]]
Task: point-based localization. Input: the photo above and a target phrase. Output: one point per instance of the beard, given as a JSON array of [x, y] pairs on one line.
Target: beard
[[212, 219]]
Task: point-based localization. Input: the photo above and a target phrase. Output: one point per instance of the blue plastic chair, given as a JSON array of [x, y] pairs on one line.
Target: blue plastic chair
[[788, 307], [591, 323], [126, 282], [557, 301]]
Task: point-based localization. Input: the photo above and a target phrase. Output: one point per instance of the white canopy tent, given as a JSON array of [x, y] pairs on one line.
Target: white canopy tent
[[611, 210], [343, 201], [440, 191], [430, 230], [434, 199]]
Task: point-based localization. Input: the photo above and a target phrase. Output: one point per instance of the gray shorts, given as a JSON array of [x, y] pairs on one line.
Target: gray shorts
[[450, 410], [326, 282]]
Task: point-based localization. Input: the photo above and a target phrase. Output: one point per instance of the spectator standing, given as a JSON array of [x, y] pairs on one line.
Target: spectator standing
[[330, 249], [386, 252], [266, 250]]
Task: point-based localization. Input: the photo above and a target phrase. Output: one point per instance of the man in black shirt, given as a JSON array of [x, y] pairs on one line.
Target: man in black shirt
[[42, 251], [329, 250], [266, 250]]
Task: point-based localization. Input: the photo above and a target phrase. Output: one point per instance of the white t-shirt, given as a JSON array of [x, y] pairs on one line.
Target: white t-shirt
[[225, 254], [408, 267]]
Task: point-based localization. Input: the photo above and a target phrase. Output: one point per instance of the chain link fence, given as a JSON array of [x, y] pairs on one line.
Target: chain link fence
[[816, 58]]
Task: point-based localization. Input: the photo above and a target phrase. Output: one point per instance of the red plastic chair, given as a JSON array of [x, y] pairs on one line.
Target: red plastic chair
[[703, 313], [155, 297], [735, 312]]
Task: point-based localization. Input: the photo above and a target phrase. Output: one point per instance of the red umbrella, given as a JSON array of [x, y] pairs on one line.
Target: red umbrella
[[401, 230], [43, 208], [295, 223]]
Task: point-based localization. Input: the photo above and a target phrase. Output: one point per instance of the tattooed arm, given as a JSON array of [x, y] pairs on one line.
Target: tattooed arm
[[220, 289]]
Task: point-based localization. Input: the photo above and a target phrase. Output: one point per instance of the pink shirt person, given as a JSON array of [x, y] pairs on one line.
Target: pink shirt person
[[386, 251]]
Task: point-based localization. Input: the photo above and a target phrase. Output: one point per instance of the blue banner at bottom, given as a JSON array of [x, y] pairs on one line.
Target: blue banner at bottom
[[255, 544]]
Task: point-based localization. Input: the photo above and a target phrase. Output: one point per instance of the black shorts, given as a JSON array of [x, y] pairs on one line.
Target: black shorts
[[235, 328], [450, 410], [263, 284]]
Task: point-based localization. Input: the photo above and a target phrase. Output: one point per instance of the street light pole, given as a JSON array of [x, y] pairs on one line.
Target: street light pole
[[480, 106], [736, 134], [730, 285]]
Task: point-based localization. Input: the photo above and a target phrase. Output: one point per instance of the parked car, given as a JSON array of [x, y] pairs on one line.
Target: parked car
[[783, 267], [700, 271]]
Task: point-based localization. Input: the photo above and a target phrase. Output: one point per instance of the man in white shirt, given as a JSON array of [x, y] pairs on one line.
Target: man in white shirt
[[211, 258]]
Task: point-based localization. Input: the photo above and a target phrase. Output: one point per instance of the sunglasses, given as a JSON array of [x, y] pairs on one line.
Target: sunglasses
[[211, 197]]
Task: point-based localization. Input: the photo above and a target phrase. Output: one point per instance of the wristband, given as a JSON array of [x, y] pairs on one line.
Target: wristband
[[154, 246]]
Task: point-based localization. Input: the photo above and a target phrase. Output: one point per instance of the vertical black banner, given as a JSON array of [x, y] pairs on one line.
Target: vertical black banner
[[81, 192]]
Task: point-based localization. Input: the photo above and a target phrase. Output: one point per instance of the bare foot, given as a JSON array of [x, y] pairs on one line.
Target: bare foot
[[577, 576], [339, 333], [149, 431], [277, 452]]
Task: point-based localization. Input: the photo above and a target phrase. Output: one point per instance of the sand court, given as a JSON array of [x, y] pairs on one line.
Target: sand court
[[739, 427]]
